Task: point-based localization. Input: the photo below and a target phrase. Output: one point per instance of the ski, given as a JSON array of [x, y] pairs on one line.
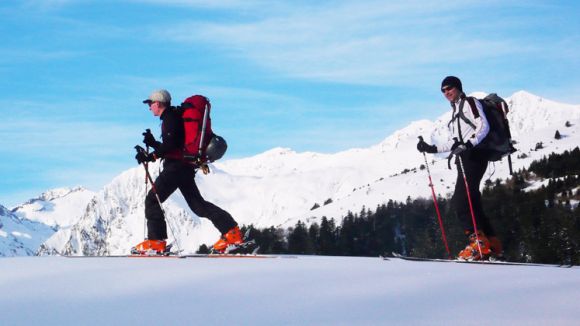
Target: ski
[[248, 247], [186, 256], [127, 256], [236, 256], [481, 262], [155, 256]]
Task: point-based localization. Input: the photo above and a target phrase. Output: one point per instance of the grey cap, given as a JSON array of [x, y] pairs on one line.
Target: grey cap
[[159, 95]]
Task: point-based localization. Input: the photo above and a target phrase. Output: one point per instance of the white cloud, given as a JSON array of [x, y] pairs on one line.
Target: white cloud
[[369, 42], [46, 4], [12, 56], [210, 4]]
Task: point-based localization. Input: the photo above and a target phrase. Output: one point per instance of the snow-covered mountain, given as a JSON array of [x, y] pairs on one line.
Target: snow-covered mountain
[[26, 227], [280, 187], [58, 208], [20, 237]]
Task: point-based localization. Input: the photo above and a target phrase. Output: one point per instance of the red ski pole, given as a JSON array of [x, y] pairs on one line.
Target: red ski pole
[[470, 205], [436, 205]]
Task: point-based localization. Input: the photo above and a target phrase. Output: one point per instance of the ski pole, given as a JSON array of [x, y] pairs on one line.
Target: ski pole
[[203, 128], [146, 165], [470, 205], [202, 165], [154, 189], [436, 205]]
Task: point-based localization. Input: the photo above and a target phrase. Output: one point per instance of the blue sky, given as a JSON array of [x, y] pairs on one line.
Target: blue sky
[[319, 76]]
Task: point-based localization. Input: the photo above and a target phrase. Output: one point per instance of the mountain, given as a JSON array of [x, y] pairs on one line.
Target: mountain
[[114, 219], [391, 169], [280, 187], [26, 227], [20, 237], [57, 208]]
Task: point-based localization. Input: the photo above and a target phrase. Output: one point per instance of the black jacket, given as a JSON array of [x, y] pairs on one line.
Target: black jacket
[[172, 135]]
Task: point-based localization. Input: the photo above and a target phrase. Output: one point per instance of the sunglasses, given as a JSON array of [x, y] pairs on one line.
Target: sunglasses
[[446, 88]]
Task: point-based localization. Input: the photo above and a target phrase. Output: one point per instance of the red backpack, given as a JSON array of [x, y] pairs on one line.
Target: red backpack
[[197, 123]]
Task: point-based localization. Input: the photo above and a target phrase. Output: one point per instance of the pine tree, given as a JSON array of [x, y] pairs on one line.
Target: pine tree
[[298, 240], [203, 249], [346, 236], [271, 240], [327, 241], [314, 236]]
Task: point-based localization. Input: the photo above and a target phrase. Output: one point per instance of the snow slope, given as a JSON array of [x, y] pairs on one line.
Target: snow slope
[[280, 187], [283, 291]]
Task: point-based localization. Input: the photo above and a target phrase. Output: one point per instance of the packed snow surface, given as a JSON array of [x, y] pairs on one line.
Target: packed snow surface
[[306, 290]]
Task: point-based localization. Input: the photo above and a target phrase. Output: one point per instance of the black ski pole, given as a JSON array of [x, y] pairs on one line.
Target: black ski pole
[[154, 189], [146, 165]]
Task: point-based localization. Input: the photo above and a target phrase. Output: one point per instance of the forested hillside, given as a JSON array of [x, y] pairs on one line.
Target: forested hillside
[[535, 213]]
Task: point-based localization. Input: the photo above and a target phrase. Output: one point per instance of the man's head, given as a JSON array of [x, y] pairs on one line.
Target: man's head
[[158, 101], [451, 88]]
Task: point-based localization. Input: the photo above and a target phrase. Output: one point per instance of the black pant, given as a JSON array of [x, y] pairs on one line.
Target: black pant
[[474, 171], [180, 175]]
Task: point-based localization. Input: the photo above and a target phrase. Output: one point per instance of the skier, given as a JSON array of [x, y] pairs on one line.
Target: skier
[[176, 174], [469, 135]]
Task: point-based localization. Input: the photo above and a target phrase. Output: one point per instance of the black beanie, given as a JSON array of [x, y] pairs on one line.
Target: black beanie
[[452, 81]]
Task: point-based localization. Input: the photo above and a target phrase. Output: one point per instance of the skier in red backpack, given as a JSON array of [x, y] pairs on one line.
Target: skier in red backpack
[[177, 173], [467, 110]]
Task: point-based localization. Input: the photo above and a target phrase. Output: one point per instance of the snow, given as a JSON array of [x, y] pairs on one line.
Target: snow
[[18, 236], [306, 290], [60, 207]]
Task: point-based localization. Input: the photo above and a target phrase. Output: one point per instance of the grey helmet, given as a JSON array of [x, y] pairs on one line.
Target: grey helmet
[[216, 148]]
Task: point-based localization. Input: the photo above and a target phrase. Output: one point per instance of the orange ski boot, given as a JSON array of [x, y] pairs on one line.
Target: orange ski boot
[[150, 248], [472, 250], [231, 238]]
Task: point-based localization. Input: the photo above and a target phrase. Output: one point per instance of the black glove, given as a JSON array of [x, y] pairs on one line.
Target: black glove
[[149, 139], [459, 148], [142, 156], [423, 147]]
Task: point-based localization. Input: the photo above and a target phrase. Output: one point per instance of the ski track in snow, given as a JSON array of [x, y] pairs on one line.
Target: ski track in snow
[[303, 291]]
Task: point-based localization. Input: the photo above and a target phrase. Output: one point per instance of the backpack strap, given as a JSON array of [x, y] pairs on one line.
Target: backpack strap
[[460, 116], [463, 117], [473, 107]]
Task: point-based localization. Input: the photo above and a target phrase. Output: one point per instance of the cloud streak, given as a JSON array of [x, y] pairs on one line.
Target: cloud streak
[[369, 43]]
